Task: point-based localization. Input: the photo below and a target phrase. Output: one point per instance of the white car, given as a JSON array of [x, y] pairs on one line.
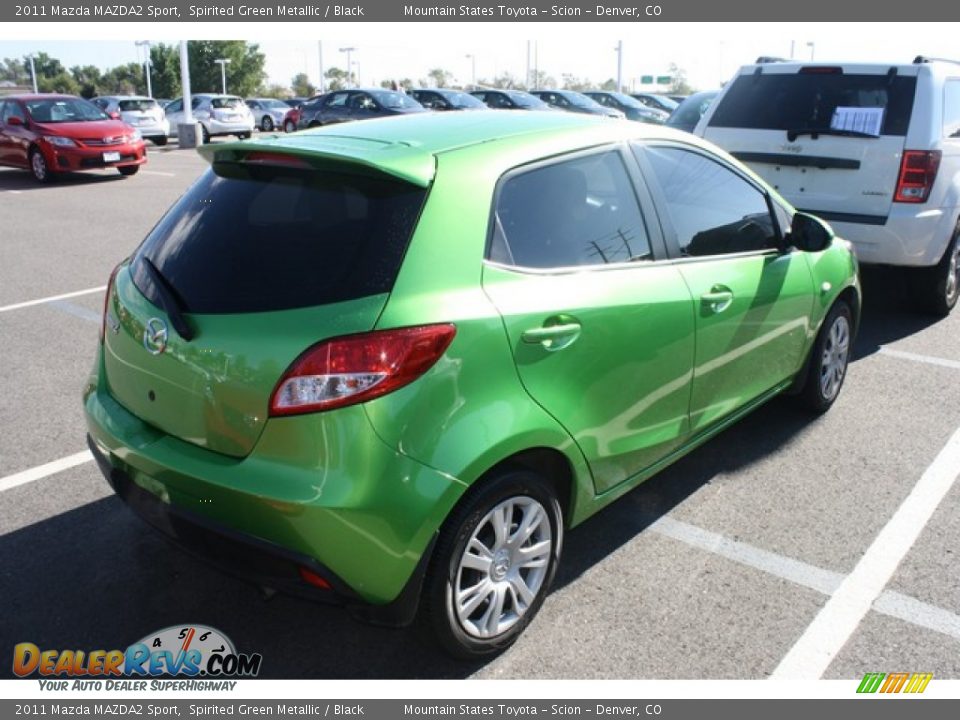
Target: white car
[[217, 114], [268, 114], [872, 148], [143, 113]]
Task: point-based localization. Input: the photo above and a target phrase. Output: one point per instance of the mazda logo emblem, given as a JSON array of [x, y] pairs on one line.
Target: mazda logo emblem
[[155, 336]]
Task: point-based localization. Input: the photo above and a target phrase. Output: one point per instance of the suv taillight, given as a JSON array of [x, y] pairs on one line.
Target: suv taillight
[[106, 303], [357, 368], [918, 170]]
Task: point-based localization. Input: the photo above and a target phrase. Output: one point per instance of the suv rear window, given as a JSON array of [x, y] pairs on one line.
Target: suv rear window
[[257, 238], [778, 101], [133, 105]]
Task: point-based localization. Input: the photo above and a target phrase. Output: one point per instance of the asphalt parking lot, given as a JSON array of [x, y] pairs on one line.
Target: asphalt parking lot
[[717, 568]]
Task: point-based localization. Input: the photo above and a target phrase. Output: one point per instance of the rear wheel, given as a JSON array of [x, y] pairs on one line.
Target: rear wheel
[[266, 125], [829, 359], [128, 170], [244, 135], [160, 140], [495, 559], [38, 167], [206, 134], [936, 289]]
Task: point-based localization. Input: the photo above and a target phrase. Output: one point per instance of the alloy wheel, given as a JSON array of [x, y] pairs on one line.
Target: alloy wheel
[[503, 567], [835, 352], [39, 166], [953, 281]]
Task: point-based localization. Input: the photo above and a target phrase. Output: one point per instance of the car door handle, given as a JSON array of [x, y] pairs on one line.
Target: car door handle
[[718, 299], [553, 337]]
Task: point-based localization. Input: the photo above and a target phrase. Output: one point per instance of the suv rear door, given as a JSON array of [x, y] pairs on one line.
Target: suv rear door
[[828, 138]]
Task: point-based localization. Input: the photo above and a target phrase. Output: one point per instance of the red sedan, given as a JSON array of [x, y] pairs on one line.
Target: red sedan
[[49, 134]]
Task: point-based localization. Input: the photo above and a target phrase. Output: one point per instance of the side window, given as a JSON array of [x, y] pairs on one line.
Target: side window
[[11, 109], [951, 109], [576, 212], [713, 210], [337, 100], [195, 103], [174, 107]]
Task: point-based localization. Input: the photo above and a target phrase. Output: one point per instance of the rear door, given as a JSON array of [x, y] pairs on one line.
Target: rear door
[[752, 302], [601, 328], [14, 139], [829, 139], [262, 261]]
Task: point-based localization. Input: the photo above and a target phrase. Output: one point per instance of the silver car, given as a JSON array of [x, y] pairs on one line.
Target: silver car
[[268, 113], [217, 114], [143, 113]]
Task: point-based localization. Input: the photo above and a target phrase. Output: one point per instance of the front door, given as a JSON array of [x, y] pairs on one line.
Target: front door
[[601, 329], [752, 300]]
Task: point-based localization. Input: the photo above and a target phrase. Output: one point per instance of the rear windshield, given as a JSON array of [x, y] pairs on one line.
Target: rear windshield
[[128, 105], [803, 101], [226, 102], [256, 239]]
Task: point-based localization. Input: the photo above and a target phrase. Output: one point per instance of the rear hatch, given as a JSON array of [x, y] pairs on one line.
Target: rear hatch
[[263, 257], [828, 138], [140, 112], [229, 109]]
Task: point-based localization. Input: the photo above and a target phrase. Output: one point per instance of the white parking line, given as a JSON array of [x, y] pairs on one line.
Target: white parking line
[[929, 359], [42, 471], [157, 172], [890, 603], [13, 192], [41, 301], [77, 311], [839, 618]]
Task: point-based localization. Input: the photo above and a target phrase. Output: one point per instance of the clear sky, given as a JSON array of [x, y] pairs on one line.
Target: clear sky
[[708, 53]]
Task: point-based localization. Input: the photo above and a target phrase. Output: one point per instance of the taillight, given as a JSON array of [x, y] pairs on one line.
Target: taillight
[[106, 303], [357, 368], [918, 170]]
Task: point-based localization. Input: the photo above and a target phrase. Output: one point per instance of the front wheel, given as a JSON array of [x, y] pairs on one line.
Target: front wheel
[[266, 125], [828, 360], [160, 140], [495, 559], [289, 126], [128, 170], [244, 135], [936, 289], [38, 167]]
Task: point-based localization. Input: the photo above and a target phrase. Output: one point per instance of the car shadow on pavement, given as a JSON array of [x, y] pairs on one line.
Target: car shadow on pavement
[[22, 180], [888, 311]]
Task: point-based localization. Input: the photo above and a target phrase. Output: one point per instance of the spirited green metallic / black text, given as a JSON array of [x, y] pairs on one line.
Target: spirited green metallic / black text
[[388, 363]]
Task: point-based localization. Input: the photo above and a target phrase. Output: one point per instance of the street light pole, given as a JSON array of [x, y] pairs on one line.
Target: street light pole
[[473, 70], [619, 49], [320, 53], [348, 51], [811, 46], [33, 74], [223, 62], [146, 64]]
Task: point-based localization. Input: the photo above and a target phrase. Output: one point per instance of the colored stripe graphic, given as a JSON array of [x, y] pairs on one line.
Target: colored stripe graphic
[[913, 683], [871, 682], [894, 682], [918, 682]]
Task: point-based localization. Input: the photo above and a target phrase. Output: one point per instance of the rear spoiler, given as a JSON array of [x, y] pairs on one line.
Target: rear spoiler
[[326, 151]]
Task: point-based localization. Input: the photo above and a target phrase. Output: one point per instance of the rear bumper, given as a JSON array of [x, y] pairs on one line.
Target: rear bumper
[[318, 491], [912, 236], [221, 127]]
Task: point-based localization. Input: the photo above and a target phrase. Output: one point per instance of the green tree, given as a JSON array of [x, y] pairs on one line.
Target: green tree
[[89, 78], [338, 79], [609, 85], [274, 90], [572, 82], [245, 72], [301, 85], [678, 84], [440, 77], [165, 71], [62, 82], [46, 66], [128, 79], [15, 71]]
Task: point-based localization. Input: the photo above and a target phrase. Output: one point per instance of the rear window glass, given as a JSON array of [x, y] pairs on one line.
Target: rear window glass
[[257, 239], [221, 102], [951, 109], [129, 105], [804, 101]]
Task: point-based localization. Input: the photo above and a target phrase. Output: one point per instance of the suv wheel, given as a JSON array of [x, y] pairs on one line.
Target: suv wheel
[[266, 125], [205, 134], [937, 289], [495, 559], [829, 358]]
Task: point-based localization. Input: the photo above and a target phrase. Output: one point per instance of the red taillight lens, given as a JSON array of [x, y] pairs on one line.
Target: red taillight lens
[[311, 578], [275, 158], [918, 170], [106, 303], [357, 368]]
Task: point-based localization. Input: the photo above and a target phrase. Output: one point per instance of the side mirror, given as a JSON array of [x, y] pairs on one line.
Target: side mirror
[[809, 233], [114, 115], [14, 120]]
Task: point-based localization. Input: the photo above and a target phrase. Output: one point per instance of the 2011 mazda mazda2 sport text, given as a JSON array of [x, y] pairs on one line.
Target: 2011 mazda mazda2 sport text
[[387, 364]]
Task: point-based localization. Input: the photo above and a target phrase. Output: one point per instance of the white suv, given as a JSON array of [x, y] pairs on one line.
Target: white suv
[[872, 148], [217, 115]]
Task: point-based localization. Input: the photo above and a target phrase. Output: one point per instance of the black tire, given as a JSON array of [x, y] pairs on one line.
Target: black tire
[[518, 495], [244, 136], [160, 141], [38, 167], [826, 370], [205, 134], [936, 289], [289, 126], [266, 125], [128, 170]]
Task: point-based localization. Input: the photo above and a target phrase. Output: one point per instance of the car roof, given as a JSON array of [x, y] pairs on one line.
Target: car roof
[[406, 147], [42, 96]]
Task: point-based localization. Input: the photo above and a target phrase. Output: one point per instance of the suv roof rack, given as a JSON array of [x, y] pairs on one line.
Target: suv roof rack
[[923, 59]]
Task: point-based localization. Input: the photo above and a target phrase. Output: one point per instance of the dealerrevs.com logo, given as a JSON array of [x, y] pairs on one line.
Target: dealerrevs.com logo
[[190, 651]]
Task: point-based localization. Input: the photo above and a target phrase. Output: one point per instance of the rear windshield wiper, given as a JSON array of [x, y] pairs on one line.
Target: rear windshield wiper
[[815, 132], [169, 300]]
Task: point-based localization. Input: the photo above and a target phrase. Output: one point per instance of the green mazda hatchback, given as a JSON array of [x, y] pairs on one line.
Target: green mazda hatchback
[[387, 364]]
